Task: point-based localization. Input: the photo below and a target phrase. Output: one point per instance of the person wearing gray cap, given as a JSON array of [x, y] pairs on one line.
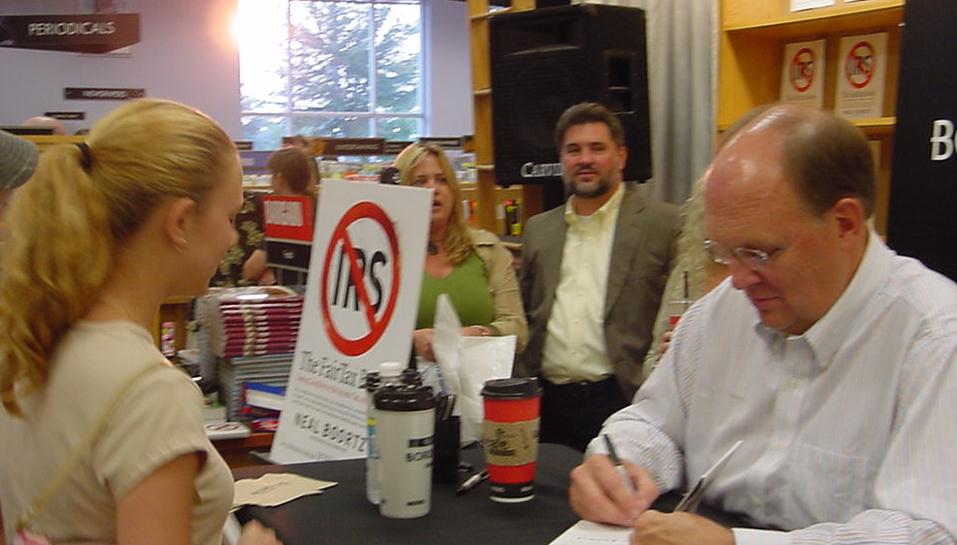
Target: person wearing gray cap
[[18, 159]]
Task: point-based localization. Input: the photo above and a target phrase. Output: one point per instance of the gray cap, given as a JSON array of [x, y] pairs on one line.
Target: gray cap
[[18, 159]]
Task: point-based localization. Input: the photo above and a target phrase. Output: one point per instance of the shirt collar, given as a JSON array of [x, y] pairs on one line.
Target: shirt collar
[[612, 205], [829, 332]]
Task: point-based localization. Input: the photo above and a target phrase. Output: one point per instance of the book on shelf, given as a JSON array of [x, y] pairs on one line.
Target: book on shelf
[[272, 369], [261, 420], [861, 76], [246, 322], [802, 73], [226, 430], [264, 396]]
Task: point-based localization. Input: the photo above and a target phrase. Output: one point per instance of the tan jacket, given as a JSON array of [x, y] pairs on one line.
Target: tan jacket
[[643, 253], [509, 314]]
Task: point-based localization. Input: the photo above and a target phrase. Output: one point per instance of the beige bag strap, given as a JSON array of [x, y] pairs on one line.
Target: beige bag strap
[[84, 445]]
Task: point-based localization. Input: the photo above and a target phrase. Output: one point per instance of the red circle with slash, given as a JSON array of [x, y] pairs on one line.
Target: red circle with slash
[[377, 325]]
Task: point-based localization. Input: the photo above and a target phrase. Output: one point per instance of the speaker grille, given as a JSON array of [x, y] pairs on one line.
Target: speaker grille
[[531, 97], [545, 60]]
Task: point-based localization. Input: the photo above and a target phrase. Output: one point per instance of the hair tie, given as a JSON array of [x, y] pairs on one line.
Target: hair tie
[[87, 158]]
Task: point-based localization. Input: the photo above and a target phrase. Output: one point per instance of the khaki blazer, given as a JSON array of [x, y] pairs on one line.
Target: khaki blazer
[[643, 252]]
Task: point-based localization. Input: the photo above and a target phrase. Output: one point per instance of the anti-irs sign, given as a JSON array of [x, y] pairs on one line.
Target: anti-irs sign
[[802, 73], [365, 274], [355, 313]]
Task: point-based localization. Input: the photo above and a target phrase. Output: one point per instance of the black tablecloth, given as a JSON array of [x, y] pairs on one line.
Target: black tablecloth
[[343, 515]]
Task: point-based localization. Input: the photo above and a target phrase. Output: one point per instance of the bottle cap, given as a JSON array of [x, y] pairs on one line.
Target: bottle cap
[[390, 369]]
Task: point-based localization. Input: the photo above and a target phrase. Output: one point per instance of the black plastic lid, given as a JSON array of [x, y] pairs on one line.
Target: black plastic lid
[[404, 398], [410, 376], [373, 381], [512, 388]]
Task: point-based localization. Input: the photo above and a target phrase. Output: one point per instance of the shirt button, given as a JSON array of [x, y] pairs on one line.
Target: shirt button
[[756, 501], [777, 446], [793, 384]]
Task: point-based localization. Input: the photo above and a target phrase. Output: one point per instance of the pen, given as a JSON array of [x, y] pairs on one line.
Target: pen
[[471, 483], [613, 454], [689, 502]]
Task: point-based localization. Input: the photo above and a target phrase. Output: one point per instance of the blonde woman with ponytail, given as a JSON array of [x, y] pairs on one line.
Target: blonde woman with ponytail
[[103, 440]]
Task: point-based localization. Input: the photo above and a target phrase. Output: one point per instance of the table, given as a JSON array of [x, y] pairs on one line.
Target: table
[[343, 515], [238, 452]]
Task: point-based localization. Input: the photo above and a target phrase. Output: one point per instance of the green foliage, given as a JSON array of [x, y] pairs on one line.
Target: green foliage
[[330, 66]]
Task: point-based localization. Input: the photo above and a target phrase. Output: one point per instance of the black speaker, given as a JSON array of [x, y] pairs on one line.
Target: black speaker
[[921, 221], [544, 61]]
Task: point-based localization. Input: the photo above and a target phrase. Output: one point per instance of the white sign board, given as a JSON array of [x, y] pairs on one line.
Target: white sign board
[[799, 5], [802, 73], [361, 299], [861, 76]]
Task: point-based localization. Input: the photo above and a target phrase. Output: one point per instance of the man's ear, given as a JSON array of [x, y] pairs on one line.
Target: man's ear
[[622, 156], [176, 221], [848, 214]]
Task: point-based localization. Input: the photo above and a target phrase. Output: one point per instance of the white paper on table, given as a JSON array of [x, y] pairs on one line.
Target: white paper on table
[[591, 533], [274, 489]]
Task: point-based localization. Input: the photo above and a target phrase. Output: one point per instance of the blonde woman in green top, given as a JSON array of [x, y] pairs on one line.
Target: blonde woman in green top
[[470, 265]]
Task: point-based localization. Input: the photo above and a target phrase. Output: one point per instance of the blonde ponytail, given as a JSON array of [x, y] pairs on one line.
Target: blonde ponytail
[[55, 261], [67, 224]]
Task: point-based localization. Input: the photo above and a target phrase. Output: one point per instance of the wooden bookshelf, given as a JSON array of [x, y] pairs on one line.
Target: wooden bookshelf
[[753, 35], [485, 188]]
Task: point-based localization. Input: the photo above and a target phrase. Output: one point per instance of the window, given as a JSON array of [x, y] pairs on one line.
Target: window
[[330, 68]]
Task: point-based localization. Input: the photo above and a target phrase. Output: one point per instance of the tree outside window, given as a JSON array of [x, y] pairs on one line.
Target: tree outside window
[[330, 68]]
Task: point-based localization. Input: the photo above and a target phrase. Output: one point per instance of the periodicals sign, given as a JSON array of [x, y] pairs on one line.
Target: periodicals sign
[[861, 76], [81, 33], [802, 74], [362, 294]]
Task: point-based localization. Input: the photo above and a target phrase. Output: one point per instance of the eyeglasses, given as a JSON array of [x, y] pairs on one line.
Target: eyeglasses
[[751, 258]]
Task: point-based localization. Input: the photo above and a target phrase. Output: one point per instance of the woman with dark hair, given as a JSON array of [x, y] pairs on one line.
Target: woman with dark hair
[[293, 173]]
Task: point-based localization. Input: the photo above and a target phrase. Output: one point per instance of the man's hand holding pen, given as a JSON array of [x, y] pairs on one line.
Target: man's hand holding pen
[[600, 494]]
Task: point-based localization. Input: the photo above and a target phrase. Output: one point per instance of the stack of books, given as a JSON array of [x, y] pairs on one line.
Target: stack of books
[[247, 335], [262, 405], [234, 373]]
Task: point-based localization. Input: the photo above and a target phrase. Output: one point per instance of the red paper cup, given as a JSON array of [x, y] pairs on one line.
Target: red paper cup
[[510, 437], [675, 310]]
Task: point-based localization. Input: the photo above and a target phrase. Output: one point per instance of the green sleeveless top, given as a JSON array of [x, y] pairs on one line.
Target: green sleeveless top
[[468, 288]]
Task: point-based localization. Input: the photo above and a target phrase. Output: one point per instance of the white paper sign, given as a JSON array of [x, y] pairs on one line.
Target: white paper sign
[[365, 273], [861, 76], [802, 73], [798, 5]]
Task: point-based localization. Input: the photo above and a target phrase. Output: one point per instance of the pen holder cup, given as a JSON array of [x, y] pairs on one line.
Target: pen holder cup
[[445, 462]]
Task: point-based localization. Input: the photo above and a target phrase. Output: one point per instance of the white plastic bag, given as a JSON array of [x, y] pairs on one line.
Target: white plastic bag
[[466, 363]]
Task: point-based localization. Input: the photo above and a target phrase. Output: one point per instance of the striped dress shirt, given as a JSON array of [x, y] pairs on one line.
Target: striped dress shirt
[[850, 430]]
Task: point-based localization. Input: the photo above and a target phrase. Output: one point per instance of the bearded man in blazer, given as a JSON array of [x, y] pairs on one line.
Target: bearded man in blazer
[[592, 276]]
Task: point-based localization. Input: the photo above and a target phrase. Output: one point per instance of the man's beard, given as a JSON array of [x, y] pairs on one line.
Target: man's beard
[[588, 191]]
